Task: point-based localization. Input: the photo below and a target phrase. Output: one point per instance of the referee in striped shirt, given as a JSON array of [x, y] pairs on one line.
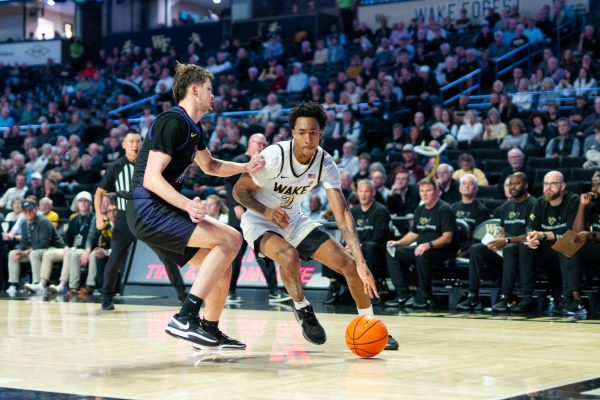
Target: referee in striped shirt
[[117, 179]]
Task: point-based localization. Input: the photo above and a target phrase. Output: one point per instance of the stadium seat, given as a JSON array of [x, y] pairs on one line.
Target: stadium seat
[[490, 154], [489, 192], [493, 165], [582, 174], [542, 162], [572, 162]]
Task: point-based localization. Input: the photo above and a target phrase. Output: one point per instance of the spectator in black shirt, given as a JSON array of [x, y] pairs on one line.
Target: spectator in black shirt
[[550, 218], [404, 198], [448, 186], [513, 216], [516, 161], [469, 209], [372, 225], [434, 230]]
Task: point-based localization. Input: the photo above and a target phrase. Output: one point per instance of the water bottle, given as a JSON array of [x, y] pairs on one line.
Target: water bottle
[[336, 155]]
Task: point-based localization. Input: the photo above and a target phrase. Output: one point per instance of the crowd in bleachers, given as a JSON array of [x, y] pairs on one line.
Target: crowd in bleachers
[[380, 88]]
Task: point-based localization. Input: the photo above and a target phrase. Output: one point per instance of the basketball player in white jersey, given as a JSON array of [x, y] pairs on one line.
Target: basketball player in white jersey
[[274, 226]]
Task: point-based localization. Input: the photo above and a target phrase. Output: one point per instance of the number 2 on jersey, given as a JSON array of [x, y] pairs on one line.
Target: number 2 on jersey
[[286, 201]]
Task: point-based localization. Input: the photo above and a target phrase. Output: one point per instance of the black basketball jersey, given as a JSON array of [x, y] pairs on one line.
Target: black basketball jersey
[[173, 133]]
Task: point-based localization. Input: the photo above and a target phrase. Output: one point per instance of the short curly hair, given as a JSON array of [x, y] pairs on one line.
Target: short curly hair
[[309, 109]]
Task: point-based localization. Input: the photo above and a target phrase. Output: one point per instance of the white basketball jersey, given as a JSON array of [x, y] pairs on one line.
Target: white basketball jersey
[[285, 182]]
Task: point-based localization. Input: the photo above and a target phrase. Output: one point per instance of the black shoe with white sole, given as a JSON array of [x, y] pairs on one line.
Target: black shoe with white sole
[[311, 328], [192, 329], [225, 342]]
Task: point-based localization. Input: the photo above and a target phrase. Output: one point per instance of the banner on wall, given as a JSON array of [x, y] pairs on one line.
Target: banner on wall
[[147, 269], [207, 36], [31, 53], [440, 9]]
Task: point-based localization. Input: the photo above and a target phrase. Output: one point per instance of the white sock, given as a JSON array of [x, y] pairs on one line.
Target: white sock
[[365, 311], [302, 304]]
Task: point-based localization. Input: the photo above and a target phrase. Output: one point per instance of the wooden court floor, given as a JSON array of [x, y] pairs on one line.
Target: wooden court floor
[[67, 347]]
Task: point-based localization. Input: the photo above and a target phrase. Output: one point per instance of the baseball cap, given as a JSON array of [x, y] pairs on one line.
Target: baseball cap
[[408, 147], [36, 175], [28, 205], [80, 196]]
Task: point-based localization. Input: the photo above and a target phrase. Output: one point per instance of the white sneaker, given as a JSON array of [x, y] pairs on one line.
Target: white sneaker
[[35, 288], [11, 291], [60, 288]]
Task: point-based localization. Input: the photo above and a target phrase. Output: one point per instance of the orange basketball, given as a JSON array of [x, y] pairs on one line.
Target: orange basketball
[[366, 336]]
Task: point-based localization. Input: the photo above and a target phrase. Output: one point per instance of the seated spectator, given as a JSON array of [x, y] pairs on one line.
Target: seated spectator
[[513, 223], [440, 134], [470, 129], [16, 212], [403, 198], [434, 230], [335, 53], [449, 188], [415, 170], [587, 125], [523, 99], [584, 81], [533, 33], [74, 255], [540, 134], [507, 110], [589, 42], [321, 53], [280, 82], [364, 162], [349, 128], [37, 237], [495, 129], [550, 218], [564, 145], [298, 81], [53, 193], [470, 210], [16, 192], [349, 160], [520, 38], [497, 48], [518, 137], [467, 166], [372, 226]]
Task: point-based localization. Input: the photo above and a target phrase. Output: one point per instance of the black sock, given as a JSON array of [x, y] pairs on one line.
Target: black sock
[[191, 306], [211, 326]]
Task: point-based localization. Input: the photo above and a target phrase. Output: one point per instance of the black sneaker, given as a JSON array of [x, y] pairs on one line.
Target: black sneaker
[[472, 302], [335, 292], [107, 305], [401, 300], [425, 303], [576, 307], [192, 329], [392, 344], [225, 342], [279, 297], [524, 306], [501, 305], [233, 298], [311, 328]]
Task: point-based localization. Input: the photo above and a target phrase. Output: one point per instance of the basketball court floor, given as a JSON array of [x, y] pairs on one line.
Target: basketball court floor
[[51, 348]]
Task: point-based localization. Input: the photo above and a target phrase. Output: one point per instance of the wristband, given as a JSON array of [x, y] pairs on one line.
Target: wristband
[[544, 236], [506, 240], [430, 245]]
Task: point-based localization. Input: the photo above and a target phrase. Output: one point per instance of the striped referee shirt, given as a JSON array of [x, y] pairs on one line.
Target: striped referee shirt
[[118, 179]]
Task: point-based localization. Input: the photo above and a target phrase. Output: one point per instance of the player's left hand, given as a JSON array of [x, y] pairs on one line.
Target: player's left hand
[[368, 281], [256, 162]]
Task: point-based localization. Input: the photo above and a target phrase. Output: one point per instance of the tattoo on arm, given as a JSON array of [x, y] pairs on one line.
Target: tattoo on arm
[[246, 199], [284, 250], [350, 235]]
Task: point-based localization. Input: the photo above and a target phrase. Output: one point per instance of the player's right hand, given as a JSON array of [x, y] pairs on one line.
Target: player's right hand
[[278, 216], [196, 209]]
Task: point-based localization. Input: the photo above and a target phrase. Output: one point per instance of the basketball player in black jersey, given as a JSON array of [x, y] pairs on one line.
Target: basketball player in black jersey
[[176, 227], [117, 179]]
